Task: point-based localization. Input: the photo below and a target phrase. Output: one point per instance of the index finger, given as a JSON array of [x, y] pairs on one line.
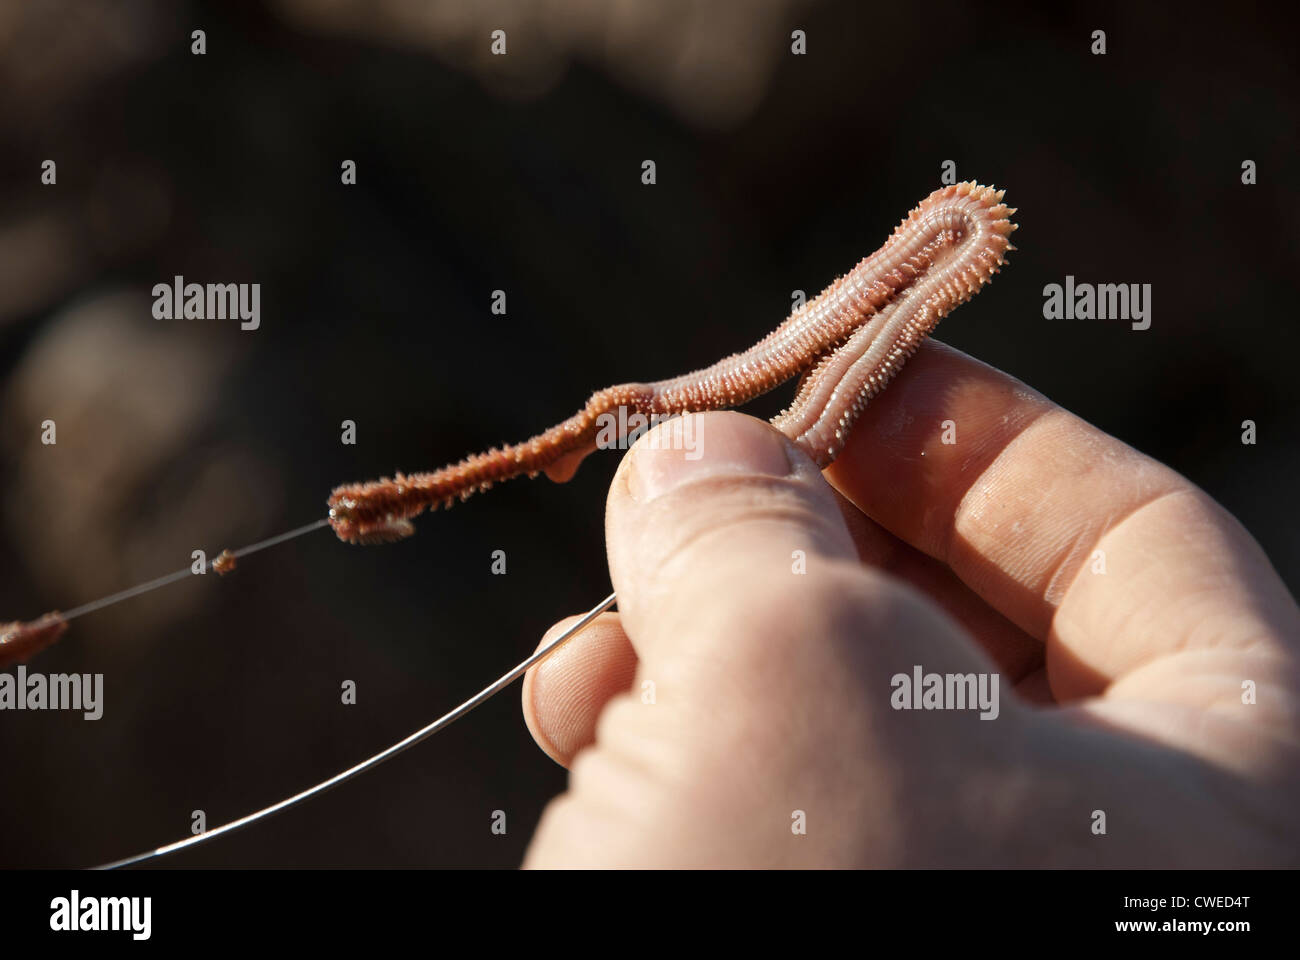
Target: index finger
[[1108, 556]]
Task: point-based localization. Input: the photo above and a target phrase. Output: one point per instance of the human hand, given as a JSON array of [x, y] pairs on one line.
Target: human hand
[[1153, 651]]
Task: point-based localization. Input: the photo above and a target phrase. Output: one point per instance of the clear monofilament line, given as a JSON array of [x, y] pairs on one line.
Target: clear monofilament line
[[280, 538], [164, 580], [484, 695], [22, 640]]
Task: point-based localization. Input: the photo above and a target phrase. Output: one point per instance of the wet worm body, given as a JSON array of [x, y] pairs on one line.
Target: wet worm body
[[20, 642], [847, 344]]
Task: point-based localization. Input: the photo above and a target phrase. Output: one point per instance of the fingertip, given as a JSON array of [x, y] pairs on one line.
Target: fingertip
[[706, 506], [564, 695], [696, 447]]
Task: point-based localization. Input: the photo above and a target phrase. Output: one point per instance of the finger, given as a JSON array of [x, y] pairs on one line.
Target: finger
[[564, 695], [1015, 652], [1110, 557]]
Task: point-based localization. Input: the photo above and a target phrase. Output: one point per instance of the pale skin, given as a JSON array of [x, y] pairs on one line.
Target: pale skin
[[771, 688]]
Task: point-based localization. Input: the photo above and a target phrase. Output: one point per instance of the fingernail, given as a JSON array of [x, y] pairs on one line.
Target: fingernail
[[693, 447]]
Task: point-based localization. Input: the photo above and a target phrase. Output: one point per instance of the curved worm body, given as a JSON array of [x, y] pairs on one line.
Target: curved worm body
[[847, 344]]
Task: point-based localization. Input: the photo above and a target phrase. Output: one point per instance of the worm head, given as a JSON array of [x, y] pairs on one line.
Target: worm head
[[350, 528]]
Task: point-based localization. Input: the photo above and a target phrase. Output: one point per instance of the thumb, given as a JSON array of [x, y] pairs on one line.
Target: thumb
[[713, 510], [728, 547], [734, 568], [768, 650]]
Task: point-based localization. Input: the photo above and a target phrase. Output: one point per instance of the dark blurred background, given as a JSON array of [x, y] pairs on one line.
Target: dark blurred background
[[522, 173]]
